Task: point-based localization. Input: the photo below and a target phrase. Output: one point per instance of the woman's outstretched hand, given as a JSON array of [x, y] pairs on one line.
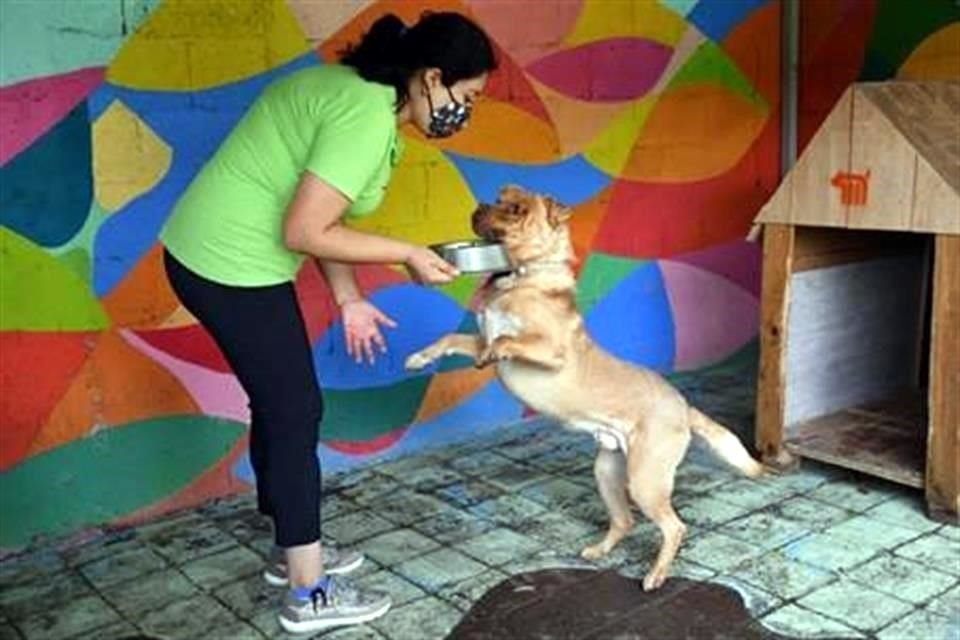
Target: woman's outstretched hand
[[361, 327], [427, 267]]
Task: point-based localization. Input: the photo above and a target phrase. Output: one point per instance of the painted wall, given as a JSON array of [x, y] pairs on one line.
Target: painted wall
[[656, 120]]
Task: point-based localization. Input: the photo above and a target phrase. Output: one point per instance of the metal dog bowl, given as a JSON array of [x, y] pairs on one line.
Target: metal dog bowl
[[474, 256]]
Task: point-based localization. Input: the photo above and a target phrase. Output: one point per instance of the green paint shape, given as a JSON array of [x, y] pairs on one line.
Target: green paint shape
[[898, 28], [600, 274], [356, 415], [711, 65], [741, 363], [463, 288], [452, 363], [113, 473], [78, 261], [38, 293]]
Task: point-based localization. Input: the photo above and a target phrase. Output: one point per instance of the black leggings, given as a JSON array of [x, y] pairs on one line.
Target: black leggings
[[261, 332]]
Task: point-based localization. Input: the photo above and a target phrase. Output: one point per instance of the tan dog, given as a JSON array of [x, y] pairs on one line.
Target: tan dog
[[531, 328]]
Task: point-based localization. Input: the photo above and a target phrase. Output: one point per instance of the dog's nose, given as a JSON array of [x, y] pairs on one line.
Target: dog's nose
[[480, 220]]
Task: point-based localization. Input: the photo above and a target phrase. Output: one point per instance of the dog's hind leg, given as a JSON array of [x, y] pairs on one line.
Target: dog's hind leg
[[651, 467], [610, 471]]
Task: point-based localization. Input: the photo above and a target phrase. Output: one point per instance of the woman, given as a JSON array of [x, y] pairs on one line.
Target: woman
[[317, 145]]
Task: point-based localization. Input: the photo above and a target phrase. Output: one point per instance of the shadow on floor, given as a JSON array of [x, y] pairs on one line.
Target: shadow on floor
[[581, 604]]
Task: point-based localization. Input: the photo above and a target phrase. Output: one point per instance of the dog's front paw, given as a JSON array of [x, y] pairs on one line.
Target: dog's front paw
[[594, 552], [654, 579], [417, 361]]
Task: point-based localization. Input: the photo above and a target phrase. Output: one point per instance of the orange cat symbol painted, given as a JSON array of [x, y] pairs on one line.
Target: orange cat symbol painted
[[853, 187]]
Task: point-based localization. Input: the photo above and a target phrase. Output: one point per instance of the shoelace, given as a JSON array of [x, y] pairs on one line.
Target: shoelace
[[320, 594]]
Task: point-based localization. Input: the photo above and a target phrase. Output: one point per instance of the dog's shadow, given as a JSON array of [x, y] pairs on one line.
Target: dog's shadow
[[582, 603]]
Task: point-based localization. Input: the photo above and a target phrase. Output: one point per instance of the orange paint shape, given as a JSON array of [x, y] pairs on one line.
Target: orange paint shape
[[577, 123], [586, 220], [116, 385], [37, 368], [755, 47], [179, 318], [143, 299], [854, 187], [694, 132], [451, 388]]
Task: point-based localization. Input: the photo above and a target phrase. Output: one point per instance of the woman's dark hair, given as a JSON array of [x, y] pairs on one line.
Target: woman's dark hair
[[390, 52]]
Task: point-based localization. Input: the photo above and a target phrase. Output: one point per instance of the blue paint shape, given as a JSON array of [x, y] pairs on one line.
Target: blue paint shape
[[193, 124], [422, 315], [45, 190], [634, 320], [468, 324], [718, 18], [571, 181], [486, 411]]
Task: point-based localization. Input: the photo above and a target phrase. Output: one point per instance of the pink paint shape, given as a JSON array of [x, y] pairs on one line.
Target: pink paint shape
[[712, 316], [527, 29], [217, 394], [613, 70], [31, 108], [739, 262]]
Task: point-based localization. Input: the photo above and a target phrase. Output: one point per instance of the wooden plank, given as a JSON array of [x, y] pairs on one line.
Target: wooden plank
[[936, 206], [820, 247], [943, 445], [778, 245], [883, 164], [865, 442], [814, 198]]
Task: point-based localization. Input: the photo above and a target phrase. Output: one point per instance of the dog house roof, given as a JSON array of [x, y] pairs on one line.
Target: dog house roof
[[887, 157]]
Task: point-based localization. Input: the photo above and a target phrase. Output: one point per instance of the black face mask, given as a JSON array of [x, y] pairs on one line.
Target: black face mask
[[448, 119]]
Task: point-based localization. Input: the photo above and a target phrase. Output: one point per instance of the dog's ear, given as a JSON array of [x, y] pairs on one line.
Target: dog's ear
[[557, 212]]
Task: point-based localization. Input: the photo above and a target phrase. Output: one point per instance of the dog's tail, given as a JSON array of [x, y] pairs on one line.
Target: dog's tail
[[724, 443]]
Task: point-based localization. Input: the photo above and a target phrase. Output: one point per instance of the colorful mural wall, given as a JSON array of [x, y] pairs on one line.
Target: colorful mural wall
[[657, 121]]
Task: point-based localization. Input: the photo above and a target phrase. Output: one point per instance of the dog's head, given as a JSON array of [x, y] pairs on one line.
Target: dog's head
[[530, 226]]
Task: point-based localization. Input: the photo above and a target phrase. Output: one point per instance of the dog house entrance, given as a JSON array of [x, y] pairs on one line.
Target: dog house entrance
[[857, 351]]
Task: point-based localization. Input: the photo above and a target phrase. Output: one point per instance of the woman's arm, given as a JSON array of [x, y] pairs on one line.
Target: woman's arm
[[341, 278]]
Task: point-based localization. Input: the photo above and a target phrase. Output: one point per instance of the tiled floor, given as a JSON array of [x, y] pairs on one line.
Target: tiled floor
[[817, 553]]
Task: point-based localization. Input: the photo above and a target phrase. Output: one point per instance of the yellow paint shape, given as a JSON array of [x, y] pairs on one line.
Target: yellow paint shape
[[194, 44], [179, 318], [500, 131], [427, 201], [577, 123], [936, 58], [129, 159], [695, 132], [611, 149], [451, 388], [320, 19], [604, 19]]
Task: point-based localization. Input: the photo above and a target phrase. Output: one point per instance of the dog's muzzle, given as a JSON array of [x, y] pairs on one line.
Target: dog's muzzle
[[481, 223]]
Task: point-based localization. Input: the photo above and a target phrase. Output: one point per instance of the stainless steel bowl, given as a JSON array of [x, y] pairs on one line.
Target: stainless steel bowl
[[474, 256]]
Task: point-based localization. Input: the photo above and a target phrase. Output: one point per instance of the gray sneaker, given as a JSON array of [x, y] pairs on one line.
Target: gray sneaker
[[335, 563], [342, 604]]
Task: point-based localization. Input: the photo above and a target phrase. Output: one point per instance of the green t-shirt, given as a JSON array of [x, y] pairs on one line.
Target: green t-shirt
[[228, 225]]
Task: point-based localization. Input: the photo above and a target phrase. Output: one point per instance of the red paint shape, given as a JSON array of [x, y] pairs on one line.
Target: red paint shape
[[614, 70], [656, 220], [510, 84], [854, 187], [367, 447], [754, 45], [830, 57], [316, 299], [31, 108], [38, 368], [191, 344]]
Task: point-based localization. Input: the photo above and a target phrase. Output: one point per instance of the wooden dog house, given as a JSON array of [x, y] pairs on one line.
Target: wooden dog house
[[860, 327]]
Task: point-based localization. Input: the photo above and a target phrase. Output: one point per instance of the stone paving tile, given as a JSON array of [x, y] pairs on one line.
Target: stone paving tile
[[68, 619], [792, 620], [401, 590], [122, 566], [947, 603], [754, 494], [426, 475], [707, 512], [361, 632], [499, 546], [950, 532], [508, 510], [398, 545], [468, 492], [902, 578], [514, 476], [374, 488], [438, 569], [449, 525], [921, 625], [757, 601], [782, 576], [856, 495], [8, 632], [19, 601], [482, 463], [811, 513], [558, 494], [102, 546], [718, 551], [116, 631], [255, 601], [465, 593], [197, 617], [857, 606], [220, 568], [832, 552], [186, 538], [149, 592], [559, 531], [404, 507], [934, 551], [425, 618], [765, 530], [905, 512], [354, 527], [30, 567], [879, 533]]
